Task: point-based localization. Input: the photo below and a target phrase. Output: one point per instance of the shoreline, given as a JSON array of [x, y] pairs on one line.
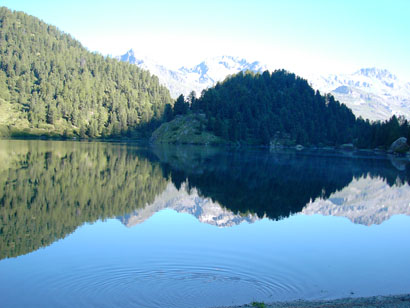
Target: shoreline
[[389, 301], [338, 149]]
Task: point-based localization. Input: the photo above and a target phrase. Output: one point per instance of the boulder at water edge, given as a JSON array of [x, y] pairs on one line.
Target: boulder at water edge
[[400, 146]]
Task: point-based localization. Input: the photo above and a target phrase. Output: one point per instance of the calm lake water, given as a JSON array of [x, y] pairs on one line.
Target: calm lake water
[[118, 225]]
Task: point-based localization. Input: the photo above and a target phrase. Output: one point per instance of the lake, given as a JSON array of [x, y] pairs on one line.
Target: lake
[[93, 224]]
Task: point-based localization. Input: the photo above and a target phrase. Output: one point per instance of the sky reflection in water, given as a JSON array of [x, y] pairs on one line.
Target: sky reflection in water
[[173, 260]]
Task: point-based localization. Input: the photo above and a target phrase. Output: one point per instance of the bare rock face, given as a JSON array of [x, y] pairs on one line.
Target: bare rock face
[[400, 146]]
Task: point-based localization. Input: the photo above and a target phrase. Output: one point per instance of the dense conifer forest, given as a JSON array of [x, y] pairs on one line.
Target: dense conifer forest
[[259, 107], [50, 83], [281, 107]]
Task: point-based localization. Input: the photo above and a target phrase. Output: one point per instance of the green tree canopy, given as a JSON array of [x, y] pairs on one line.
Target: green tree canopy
[[57, 85]]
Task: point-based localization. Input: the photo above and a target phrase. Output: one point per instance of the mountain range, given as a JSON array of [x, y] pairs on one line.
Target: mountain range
[[372, 93], [197, 78]]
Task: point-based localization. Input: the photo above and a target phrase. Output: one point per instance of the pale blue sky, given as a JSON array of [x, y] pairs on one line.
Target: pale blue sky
[[303, 36]]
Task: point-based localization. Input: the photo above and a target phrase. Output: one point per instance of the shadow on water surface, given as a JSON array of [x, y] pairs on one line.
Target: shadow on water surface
[[49, 188]]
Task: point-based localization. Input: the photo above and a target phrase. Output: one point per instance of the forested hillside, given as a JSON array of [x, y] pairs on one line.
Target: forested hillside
[[50, 84], [260, 107], [281, 108]]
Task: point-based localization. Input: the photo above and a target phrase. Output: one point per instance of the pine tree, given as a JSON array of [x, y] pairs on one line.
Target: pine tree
[[181, 106]]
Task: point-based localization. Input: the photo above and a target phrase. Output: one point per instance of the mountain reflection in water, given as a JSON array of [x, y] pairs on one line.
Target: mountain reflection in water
[[49, 188]]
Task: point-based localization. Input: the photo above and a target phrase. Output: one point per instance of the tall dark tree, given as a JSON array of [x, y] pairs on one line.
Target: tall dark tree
[[168, 113], [191, 98], [181, 106]]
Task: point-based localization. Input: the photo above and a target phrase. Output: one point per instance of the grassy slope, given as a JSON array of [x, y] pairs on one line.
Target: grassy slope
[[13, 123], [188, 129]]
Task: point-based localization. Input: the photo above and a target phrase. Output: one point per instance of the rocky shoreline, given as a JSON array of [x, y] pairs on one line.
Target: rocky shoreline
[[392, 301]]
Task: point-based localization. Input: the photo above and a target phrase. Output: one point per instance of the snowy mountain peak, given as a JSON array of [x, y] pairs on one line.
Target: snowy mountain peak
[[371, 93], [130, 56], [216, 69], [197, 78], [376, 73]]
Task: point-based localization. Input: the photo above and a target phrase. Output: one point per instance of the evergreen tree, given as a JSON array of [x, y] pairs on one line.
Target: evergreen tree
[[181, 106], [168, 113]]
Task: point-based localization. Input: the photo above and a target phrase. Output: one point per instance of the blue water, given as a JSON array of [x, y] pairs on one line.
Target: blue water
[[172, 259]]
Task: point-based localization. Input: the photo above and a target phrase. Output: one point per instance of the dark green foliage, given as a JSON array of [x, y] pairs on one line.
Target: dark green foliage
[[258, 304], [168, 113], [191, 98], [258, 108], [58, 82], [181, 106], [381, 134], [264, 108]]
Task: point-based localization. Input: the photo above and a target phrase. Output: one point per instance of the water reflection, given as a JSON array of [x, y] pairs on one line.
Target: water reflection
[[188, 200], [48, 189], [280, 184], [365, 201]]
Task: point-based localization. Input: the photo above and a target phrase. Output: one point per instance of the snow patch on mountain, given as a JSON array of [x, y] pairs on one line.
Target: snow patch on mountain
[[371, 93], [365, 201], [202, 76], [188, 201]]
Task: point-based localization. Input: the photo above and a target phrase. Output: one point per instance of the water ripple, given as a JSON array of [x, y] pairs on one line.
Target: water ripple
[[181, 284]]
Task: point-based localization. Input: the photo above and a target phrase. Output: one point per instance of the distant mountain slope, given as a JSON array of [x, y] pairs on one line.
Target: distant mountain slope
[[204, 75], [52, 85], [371, 93]]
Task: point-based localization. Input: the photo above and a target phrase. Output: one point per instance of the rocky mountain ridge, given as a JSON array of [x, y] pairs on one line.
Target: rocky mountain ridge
[[197, 78], [372, 93]]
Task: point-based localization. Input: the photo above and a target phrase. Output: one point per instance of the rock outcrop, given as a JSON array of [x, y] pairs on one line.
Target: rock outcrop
[[187, 129], [399, 146]]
